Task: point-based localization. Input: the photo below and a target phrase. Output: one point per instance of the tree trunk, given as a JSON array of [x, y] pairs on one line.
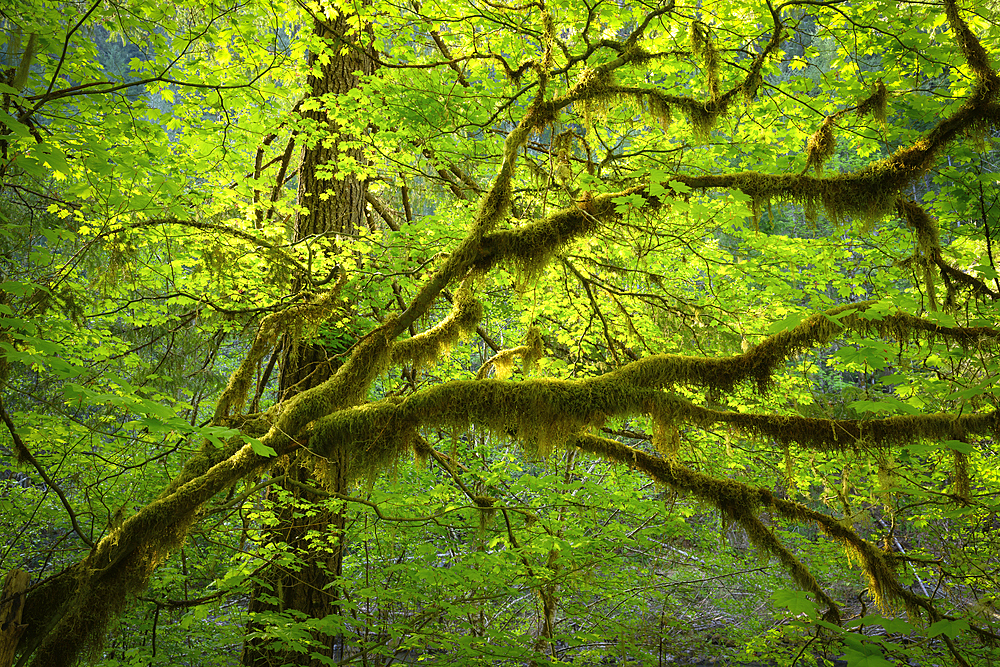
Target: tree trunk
[[11, 605], [334, 207]]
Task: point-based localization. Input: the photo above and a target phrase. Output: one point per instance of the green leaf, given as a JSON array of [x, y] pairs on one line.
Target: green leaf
[[791, 321], [797, 602], [885, 404], [259, 448], [958, 446], [950, 629]]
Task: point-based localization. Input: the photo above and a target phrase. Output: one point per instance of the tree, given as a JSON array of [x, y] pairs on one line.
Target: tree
[[608, 237], [332, 207]]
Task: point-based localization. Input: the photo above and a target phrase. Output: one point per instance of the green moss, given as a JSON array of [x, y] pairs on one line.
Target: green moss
[[973, 51], [875, 104], [502, 363], [736, 502], [821, 146], [295, 321], [963, 487], [429, 346], [703, 46]]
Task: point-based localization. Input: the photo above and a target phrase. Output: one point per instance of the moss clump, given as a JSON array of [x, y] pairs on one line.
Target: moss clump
[[660, 110], [703, 46], [924, 226], [595, 91], [875, 104], [502, 363], [429, 346], [821, 146]]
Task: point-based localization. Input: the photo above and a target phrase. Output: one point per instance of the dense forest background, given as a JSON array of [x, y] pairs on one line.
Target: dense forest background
[[486, 333]]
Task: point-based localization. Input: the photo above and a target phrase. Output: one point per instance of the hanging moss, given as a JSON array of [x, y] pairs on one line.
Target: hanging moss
[[872, 191], [502, 363], [821, 146], [875, 104], [736, 502], [703, 46], [930, 256], [973, 51], [295, 321], [534, 349], [741, 503], [924, 226], [594, 90], [528, 248], [544, 412], [429, 346], [660, 110], [666, 440]]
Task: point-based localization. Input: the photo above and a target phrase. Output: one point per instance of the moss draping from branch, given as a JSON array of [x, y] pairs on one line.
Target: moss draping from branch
[[703, 47], [878, 565], [924, 226], [496, 202], [741, 503], [543, 412], [931, 253], [294, 320], [703, 114], [529, 247], [871, 192], [736, 501], [760, 361], [426, 347], [875, 104], [503, 361], [973, 51], [821, 146], [122, 562]]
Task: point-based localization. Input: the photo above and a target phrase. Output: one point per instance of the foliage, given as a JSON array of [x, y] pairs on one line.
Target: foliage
[[644, 311]]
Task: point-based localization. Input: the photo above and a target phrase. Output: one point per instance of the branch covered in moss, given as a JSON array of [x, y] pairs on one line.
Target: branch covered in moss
[[543, 412], [503, 361], [426, 347], [929, 244], [294, 320], [598, 85], [871, 192]]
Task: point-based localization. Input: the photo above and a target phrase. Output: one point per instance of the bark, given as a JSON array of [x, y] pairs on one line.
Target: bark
[[15, 584]]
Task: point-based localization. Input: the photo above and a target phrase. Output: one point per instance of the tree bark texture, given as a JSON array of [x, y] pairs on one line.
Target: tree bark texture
[[15, 584]]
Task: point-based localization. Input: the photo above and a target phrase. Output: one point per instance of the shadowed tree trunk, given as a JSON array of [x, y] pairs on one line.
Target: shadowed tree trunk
[[334, 206]]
